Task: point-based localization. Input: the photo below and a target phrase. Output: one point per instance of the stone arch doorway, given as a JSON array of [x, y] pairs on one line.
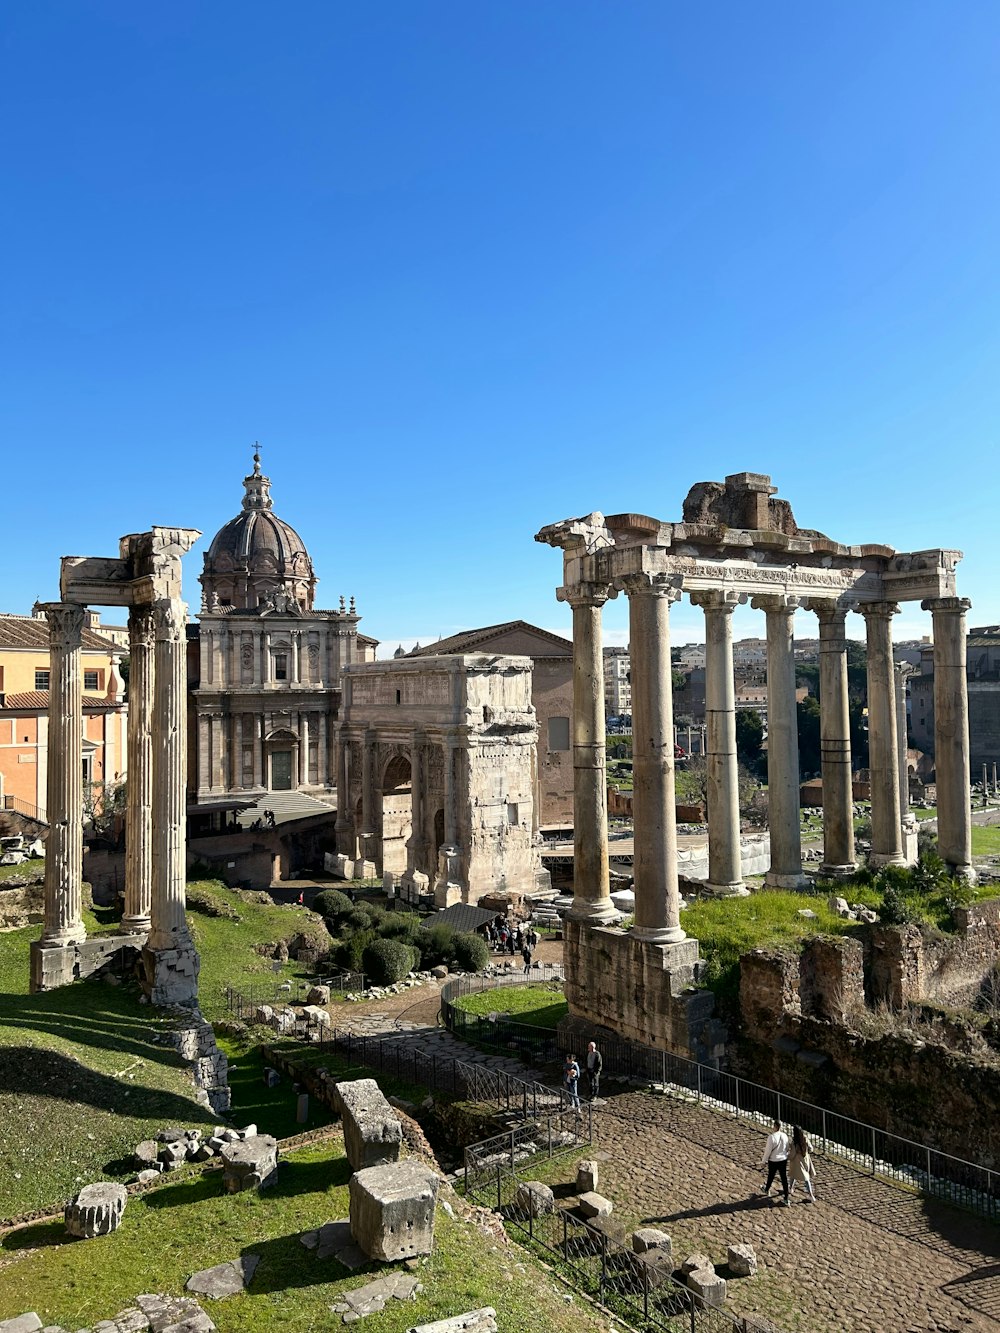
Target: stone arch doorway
[[282, 758], [397, 813]]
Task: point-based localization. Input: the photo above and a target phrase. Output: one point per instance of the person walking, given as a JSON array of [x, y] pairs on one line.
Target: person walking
[[776, 1158], [800, 1164], [526, 955], [571, 1081], [595, 1063]]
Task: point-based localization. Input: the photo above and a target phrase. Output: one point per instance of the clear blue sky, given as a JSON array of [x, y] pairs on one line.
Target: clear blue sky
[[465, 269]]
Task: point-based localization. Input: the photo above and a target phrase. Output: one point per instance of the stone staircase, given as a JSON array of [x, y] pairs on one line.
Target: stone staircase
[[287, 805]]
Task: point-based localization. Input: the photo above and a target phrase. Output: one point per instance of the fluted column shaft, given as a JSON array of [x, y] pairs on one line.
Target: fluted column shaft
[[139, 788], [345, 821], [902, 672], [835, 743], [952, 757], [169, 922], [725, 871], [303, 749], [591, 874], [64, 784], [657, 898], [450, 797], [887, 833], [414, 848], [782, 745], [367, 793]]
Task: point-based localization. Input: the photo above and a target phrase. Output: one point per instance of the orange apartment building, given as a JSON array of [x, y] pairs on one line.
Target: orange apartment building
[[24, 704]]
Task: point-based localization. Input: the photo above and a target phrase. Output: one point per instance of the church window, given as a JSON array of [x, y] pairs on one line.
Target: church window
[[280, 666], [41, 680], [558, 733], [91, 680]]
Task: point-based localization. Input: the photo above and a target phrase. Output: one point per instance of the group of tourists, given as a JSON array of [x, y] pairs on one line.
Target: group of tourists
[[504, 936], [593, 1064], [790, 1159]]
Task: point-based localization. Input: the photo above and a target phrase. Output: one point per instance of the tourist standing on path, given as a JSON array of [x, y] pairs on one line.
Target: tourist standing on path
[[571, 1081], [526, 955], [800, 1164], [595, 1063], [776, 1158]]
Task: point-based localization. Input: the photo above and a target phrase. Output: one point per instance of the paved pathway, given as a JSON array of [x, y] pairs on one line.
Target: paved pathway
[[867, 1258]]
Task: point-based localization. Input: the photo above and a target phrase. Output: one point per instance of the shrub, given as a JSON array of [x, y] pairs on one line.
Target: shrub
[[471, 952], [332, 904], [358, 918], [399, 926], [896, 909], [351, 950], [386, 961], [437, 946]]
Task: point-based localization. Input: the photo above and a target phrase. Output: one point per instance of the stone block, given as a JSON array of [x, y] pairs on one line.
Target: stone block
[[372, 1131], [652, 1269], [146, 1154], [695, 1261], [264, 1014], [23, 1323], [472, 1321], [148, 1176], [250, 1163], [315, 1016], [593, 1204], [392, 1210], [649, 1238], [708, 1288], [533, 1199], [174, 1314], [742, 1260], [587, 1177], [364, 869], [439, 972], [832, 978], [224, 1279], [96, 1211], [318, 995], [171, 975]]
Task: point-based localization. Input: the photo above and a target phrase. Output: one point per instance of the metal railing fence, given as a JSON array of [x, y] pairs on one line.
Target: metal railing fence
[[292, 990], [498, 1032]]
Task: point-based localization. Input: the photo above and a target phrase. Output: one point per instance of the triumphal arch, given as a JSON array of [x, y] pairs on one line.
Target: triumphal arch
[[736, 543], [436, 776], [145, 578]]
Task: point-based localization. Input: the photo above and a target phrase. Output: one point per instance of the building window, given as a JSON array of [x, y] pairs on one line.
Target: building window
[[91, 680], [280, 666], [513, 814], [41, 680], [558, 733]]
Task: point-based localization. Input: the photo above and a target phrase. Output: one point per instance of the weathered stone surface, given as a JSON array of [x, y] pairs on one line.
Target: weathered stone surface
[[224, 1279], [23, 1323], [593, 1204], [649, 1238], [709, 1289], [318, 995], [372, 1131], [333, 1240], [174, 1314], [695, 1261], [533, 1199], [742, 1260], [652, 1269], [373, 1296], [587, 1177], [472, 1321], [250, 1163], [439, 973], [315, 1016], [148, 1176], [392, 1210], [146, 1153], [96, 1211]]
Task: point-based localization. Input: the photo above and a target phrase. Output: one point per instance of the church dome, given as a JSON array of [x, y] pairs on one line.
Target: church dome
[[257, 560]]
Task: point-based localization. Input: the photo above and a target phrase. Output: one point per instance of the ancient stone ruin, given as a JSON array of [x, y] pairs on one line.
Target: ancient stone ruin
[[736, 543]]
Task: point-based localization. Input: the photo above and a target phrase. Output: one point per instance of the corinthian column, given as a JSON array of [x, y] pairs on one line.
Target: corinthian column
[[782, 745], [344, 827], [887, 833], [591, 875], [835, 742], [951, 734], [139, 769], [725, 870], [169, 922], [64, 786], [657, 899]]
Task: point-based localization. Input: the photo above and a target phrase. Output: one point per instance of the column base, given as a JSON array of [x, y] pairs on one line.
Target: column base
[[774, 880], [61, 939], [838, 870], [171, 975], [886, 859], [966, 873], [136, 925], [658, 934], [737, 889], [594, 912]]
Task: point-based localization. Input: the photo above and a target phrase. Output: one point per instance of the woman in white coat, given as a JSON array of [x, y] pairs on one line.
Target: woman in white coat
[[800, 1164]]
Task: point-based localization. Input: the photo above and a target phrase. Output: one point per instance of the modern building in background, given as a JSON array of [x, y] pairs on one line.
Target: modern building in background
[[983, 678], [617, 683]]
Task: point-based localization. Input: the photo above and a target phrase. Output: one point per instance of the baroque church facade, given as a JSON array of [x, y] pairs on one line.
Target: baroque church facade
[[264, 665]]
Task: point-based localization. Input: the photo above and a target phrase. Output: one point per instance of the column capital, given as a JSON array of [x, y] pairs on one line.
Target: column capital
[[65, 621], [954, 605], [586, 594], [879, 610], [776, 601], [649, 585], [831, 610], [170, 620], [140, 627], [718, 599]]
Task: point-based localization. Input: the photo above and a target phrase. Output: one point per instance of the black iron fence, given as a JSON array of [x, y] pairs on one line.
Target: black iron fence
[[242, 1004], [498, 1032]]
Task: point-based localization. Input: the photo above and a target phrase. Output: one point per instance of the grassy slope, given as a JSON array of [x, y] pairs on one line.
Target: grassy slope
[[179, 1228], [539, 1006], [985, 839]]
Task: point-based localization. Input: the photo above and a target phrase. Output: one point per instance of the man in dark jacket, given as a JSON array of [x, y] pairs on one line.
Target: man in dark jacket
[[594, 1066]]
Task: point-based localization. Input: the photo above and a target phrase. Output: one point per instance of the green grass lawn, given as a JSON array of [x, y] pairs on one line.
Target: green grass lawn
[[985, 839], [538, 1006], [180, 1227]]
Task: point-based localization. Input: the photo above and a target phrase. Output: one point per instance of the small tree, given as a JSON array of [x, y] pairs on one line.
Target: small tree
[[331, 904], [471, 951], [104, 806], [386, 961]]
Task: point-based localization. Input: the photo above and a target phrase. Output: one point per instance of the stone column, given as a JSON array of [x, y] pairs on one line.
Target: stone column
[[415, 846], [952, 757], [782, 744], [450, 797], [657, 898], [255, 640], [725, 872], [169, 922], [345, 824], [139, 788], [887, 834], [321, 748], [218, 754], [835, 742], [237, 750], [367, 830], [64, 786], [303, 749], [266, 656], [591, 874], [258, 750]]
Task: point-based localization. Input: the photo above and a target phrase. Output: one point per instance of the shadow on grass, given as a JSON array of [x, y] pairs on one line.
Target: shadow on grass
[[316, 1176], [286, 1263], [35, 1237]]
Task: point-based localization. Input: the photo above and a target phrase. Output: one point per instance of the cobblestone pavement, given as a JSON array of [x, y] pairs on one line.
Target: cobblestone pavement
[[867, 1258]]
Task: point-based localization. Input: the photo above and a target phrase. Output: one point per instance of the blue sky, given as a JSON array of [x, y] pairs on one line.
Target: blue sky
[[465, 269]]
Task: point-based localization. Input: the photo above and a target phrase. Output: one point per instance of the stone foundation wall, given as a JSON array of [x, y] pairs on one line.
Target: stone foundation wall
[[638, 991], [53, 967]]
